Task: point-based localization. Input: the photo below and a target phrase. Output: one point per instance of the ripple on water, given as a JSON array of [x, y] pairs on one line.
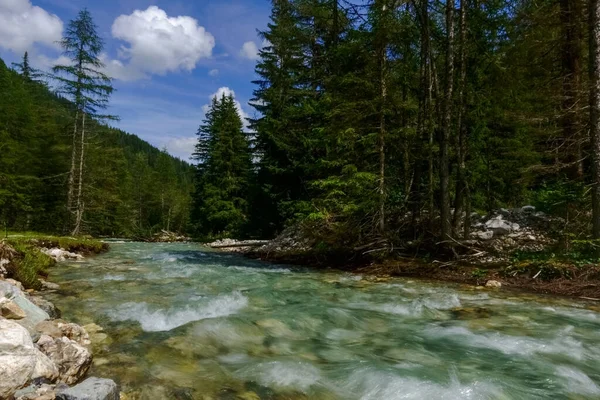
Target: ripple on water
[[562, 344], [283, 375], [369, 384], [166, 320]]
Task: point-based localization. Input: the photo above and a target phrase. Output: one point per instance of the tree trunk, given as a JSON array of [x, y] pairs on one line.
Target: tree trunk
[[461, 138], [446, 125], [570, 16], [594, 71], [80, 205], [382, 61], [71, 183]]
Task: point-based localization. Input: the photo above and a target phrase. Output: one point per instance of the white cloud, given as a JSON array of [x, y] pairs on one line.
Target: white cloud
[[159, 44], [181, 147], [117, 70], [213, 72], [22, 25], [228, 92], [250, 51]]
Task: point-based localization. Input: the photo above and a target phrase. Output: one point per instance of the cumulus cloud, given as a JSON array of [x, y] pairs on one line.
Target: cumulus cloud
[[181, 147], [159, 44], [117, 70], [22, 25], [249, 51], [213, 72], [225, 91]]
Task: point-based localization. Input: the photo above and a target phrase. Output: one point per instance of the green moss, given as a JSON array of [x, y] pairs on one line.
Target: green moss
[[81, 244]]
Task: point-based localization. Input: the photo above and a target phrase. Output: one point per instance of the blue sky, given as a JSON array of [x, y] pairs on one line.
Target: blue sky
[[167, 57]]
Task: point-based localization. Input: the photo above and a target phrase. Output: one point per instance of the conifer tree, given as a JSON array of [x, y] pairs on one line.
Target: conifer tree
[[28, 73], [223, 171], [84, 83]]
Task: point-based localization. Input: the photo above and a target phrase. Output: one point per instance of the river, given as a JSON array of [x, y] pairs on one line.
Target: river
[[184, 322]]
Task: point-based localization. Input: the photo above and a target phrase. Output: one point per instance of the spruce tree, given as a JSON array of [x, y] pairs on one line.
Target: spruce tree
[[223, 172]]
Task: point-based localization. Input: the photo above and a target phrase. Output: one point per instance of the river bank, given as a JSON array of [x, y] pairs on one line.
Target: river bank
[[41, 355], [518, 249]]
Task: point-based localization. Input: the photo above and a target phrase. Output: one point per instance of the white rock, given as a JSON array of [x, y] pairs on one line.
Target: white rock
[[61, 254], [493, 284], [10, 310], [20, 361], [72, 359]]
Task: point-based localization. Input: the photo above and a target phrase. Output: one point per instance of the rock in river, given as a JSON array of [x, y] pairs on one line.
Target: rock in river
[[91, 389]]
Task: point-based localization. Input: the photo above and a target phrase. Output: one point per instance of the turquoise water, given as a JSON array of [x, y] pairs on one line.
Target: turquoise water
[[185, 322]]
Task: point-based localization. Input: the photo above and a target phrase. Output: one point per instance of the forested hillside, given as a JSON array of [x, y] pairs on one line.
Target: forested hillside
[[129, 188]]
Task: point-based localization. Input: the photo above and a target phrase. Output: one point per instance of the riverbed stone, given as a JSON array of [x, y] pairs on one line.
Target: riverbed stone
[[72, 359], [20, 361], [49, 285], [493, 284], [91, 389], [10, 310]]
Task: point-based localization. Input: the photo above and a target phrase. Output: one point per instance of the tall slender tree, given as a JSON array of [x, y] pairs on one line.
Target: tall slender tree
[[84, 83], [594, 72]]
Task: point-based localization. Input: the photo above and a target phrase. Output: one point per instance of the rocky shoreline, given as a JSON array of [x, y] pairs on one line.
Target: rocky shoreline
[[42, 356], [512, 249]]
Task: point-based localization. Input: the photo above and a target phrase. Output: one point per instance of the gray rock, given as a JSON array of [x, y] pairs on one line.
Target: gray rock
[[72, 359], [501, 227], [47, 306], [34, 314], [485, 235], [91, 389], [10, 310]]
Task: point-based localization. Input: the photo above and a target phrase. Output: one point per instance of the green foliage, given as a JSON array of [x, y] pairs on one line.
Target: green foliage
[[125, 177], [479, 273], [30, 265], [223, 172]]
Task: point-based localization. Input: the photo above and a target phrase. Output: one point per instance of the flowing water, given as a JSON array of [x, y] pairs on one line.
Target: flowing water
[[184, 322]]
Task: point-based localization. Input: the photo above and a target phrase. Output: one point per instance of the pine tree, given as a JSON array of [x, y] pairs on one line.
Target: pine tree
[[28, 73], [84, 83], [223, 171]]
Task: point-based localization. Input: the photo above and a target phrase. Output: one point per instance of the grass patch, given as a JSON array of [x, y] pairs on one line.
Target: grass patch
[[30, 264], [82, 244]]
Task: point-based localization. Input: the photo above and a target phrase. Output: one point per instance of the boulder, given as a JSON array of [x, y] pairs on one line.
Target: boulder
[[20, 361], [528, 209], [91, 389], [10, 310], [49, 307], [501, 227], [33, 314], [72, 359]]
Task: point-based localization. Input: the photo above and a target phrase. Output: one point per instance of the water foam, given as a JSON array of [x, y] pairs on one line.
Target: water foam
[[284, 375], [577, 382], [369, 384], [166, 320], [512, 345]]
